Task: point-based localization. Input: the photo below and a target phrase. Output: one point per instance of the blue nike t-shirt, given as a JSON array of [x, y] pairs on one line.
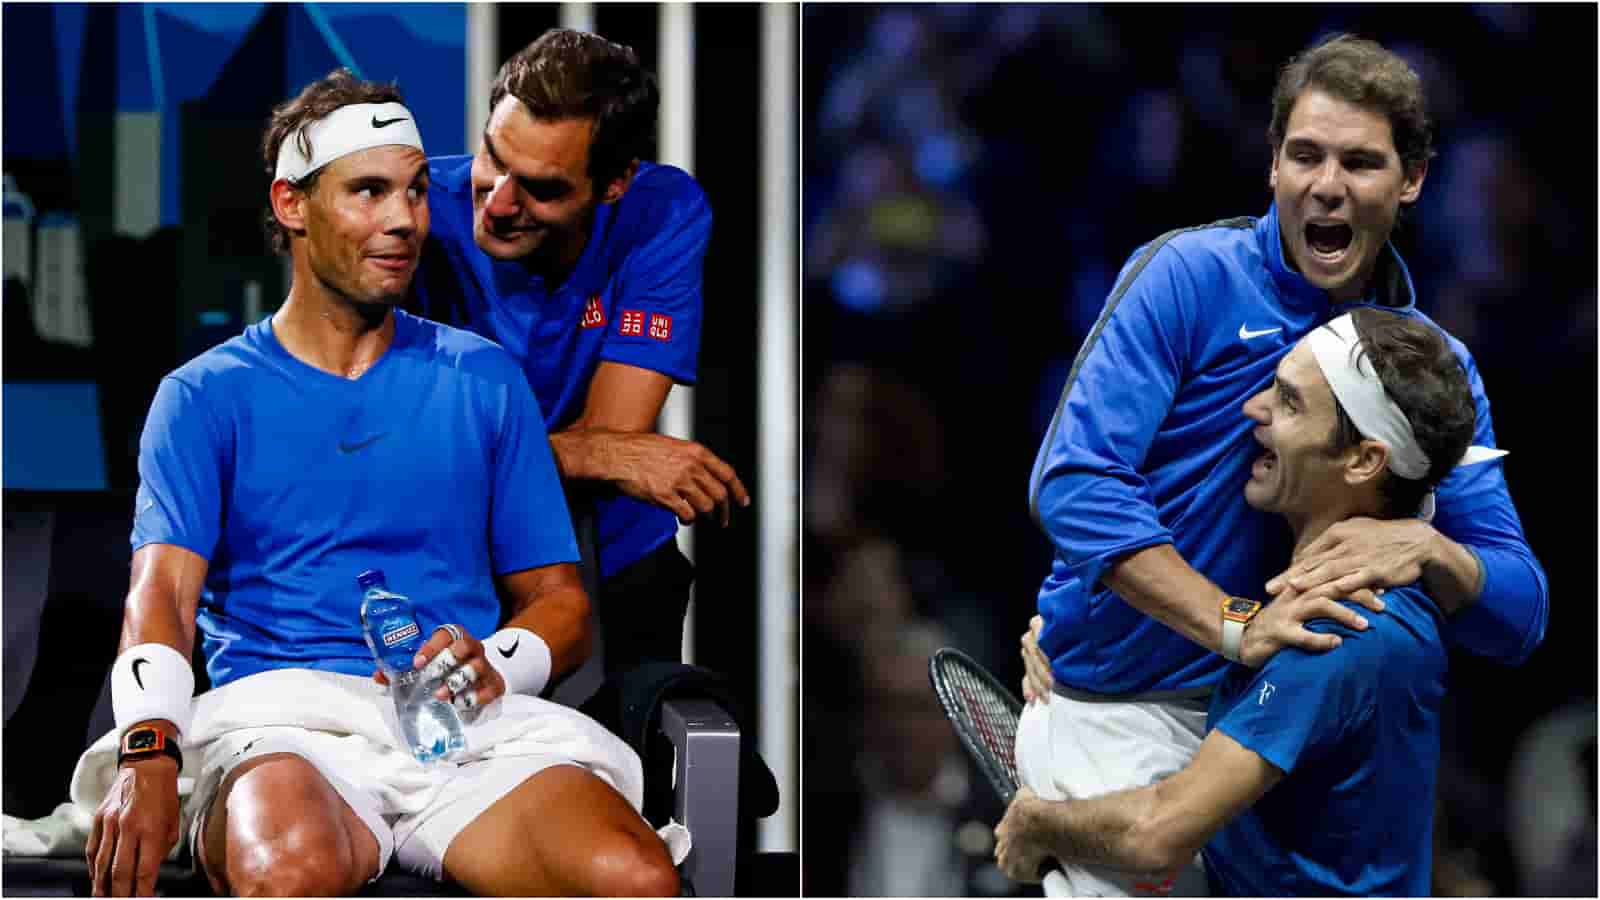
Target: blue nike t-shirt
[[1356, 732], [433, 466], [633, 298]]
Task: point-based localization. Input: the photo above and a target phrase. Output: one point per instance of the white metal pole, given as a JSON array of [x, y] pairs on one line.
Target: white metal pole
[[778, 378], [483, 40], [577, 16], [676, 77]]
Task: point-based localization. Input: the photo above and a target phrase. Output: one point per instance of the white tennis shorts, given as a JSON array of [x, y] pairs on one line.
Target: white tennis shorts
[[413, 811], [1072, 748]]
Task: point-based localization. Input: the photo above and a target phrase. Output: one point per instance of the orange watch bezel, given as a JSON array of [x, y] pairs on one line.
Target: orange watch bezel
[[160, 745], [1242, 618]]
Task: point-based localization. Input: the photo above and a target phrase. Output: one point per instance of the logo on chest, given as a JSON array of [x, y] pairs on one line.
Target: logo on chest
[[594, 315], [633, 324]]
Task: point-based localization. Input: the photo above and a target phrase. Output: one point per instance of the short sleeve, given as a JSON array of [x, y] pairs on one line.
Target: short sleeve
[[184, 455], [656, 297], [1299, 704], [529, 523]]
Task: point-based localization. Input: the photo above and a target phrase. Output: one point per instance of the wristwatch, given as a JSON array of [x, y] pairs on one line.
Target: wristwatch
[[145, 741], [1236, 613]]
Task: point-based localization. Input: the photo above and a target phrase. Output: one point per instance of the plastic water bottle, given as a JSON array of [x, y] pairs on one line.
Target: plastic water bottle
[[430, 727]]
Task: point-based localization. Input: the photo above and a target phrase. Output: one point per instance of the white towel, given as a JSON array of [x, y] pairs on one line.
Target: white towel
[[344, 705]]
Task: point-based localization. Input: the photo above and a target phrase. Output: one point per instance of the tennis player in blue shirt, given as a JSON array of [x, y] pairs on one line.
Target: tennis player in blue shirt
[[1317, 776], [341, 435], [1159, 563], [560, 243]]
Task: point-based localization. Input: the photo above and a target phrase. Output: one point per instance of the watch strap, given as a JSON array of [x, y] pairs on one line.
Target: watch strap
[[1232, 637], [1233, 625]]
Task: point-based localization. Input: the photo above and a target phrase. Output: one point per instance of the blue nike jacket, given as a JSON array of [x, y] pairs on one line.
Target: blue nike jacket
[[1149, 445]]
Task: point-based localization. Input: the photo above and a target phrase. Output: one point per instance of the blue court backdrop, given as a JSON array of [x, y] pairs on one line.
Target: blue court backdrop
[[133, 179], [155, 57]]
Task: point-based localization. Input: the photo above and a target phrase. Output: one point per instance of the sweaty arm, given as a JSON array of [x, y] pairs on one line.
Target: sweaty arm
[[176, 517], [549, 601], [1153, 830], [163, 598], [137, 824]]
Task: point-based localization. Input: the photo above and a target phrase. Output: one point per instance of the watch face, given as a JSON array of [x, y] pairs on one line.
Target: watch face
[[143, 740], [1240, 606]]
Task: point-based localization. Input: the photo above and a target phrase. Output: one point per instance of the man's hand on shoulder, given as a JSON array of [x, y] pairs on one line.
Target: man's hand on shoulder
[[1282, 623], [682, 476], [1358, 554]]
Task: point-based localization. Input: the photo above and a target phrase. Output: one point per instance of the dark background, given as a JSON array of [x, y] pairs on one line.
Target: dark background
[[155, 294], [975, 176]]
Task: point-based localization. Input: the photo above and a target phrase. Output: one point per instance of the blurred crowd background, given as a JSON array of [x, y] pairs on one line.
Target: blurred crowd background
[[975, 176]]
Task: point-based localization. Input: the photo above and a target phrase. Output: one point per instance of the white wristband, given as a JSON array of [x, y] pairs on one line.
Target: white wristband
[[152, 681], [521, 657]]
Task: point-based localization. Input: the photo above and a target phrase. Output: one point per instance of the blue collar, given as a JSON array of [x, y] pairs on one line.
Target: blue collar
[[1391, 282]]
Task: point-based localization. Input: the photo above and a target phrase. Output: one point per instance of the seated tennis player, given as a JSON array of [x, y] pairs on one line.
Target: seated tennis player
[[341, 435], [1317, 772]]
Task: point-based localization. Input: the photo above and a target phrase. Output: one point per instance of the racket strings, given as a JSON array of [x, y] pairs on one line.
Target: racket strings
[[993, 719]]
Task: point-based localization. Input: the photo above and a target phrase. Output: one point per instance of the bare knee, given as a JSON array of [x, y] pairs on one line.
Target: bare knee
[[633, 866], [285, 833], [299, 862]]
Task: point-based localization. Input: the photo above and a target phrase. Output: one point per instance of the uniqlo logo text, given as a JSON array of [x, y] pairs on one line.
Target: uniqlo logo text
[[594, 315], [661, 327], [632, 324]]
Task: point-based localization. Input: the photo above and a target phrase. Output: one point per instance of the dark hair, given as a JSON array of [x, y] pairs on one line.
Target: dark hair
[[1361, 72], [1425, 379], [568, 74], [319, 98]]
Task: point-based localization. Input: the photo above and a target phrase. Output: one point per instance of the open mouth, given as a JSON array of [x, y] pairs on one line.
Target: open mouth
[[1329, 242], [1264, 464]]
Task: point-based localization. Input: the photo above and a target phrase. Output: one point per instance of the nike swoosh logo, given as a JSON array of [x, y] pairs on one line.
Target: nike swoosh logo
[[507, 653], [384, 123], [137, 662], [1245, 334], [351, 448]]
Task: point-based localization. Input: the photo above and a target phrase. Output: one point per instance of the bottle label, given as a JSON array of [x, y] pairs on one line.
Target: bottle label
[[400, 635]]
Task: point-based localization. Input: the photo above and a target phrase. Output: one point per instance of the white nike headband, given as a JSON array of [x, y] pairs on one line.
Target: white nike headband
[[1358, 389], [346, 130]]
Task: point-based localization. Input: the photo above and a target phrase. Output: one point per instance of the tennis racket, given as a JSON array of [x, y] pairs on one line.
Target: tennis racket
[[984, 714]]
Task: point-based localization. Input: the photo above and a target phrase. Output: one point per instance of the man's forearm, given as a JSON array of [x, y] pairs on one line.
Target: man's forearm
[[1159, 583], [554, 607], [1109, 830], [581, 454], [1452, 575]]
